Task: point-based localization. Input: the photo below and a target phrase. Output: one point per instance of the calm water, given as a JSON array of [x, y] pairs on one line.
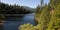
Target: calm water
[[13, 25]]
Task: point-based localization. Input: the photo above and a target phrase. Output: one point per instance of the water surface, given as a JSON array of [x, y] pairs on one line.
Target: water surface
[[13, 25]]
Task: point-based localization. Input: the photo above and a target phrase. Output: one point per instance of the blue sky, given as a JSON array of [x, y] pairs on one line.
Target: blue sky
[[29, 3]]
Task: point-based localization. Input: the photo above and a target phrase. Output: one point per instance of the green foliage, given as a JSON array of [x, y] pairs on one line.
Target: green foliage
[[29, 27], [26, 27], [37, 9], [13, 9], [49, 17]]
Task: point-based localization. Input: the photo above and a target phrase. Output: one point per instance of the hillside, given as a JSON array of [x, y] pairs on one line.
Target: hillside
[[15, 9]]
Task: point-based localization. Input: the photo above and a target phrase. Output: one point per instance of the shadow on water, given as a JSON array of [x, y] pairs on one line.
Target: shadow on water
[[13, 23], [11, 18], [1, 27]]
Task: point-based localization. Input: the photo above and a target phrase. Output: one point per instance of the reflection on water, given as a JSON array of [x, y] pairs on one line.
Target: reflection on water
[[13, 25]]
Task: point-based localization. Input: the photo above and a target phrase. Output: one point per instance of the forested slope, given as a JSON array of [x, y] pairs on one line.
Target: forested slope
[[47, 18]]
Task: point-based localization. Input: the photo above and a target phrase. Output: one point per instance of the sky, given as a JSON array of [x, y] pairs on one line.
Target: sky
[[29, 3]]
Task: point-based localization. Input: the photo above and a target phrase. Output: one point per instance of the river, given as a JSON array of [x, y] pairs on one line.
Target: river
[[13, 25]]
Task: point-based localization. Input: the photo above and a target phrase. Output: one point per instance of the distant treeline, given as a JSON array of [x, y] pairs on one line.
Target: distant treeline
[[12, 9]]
